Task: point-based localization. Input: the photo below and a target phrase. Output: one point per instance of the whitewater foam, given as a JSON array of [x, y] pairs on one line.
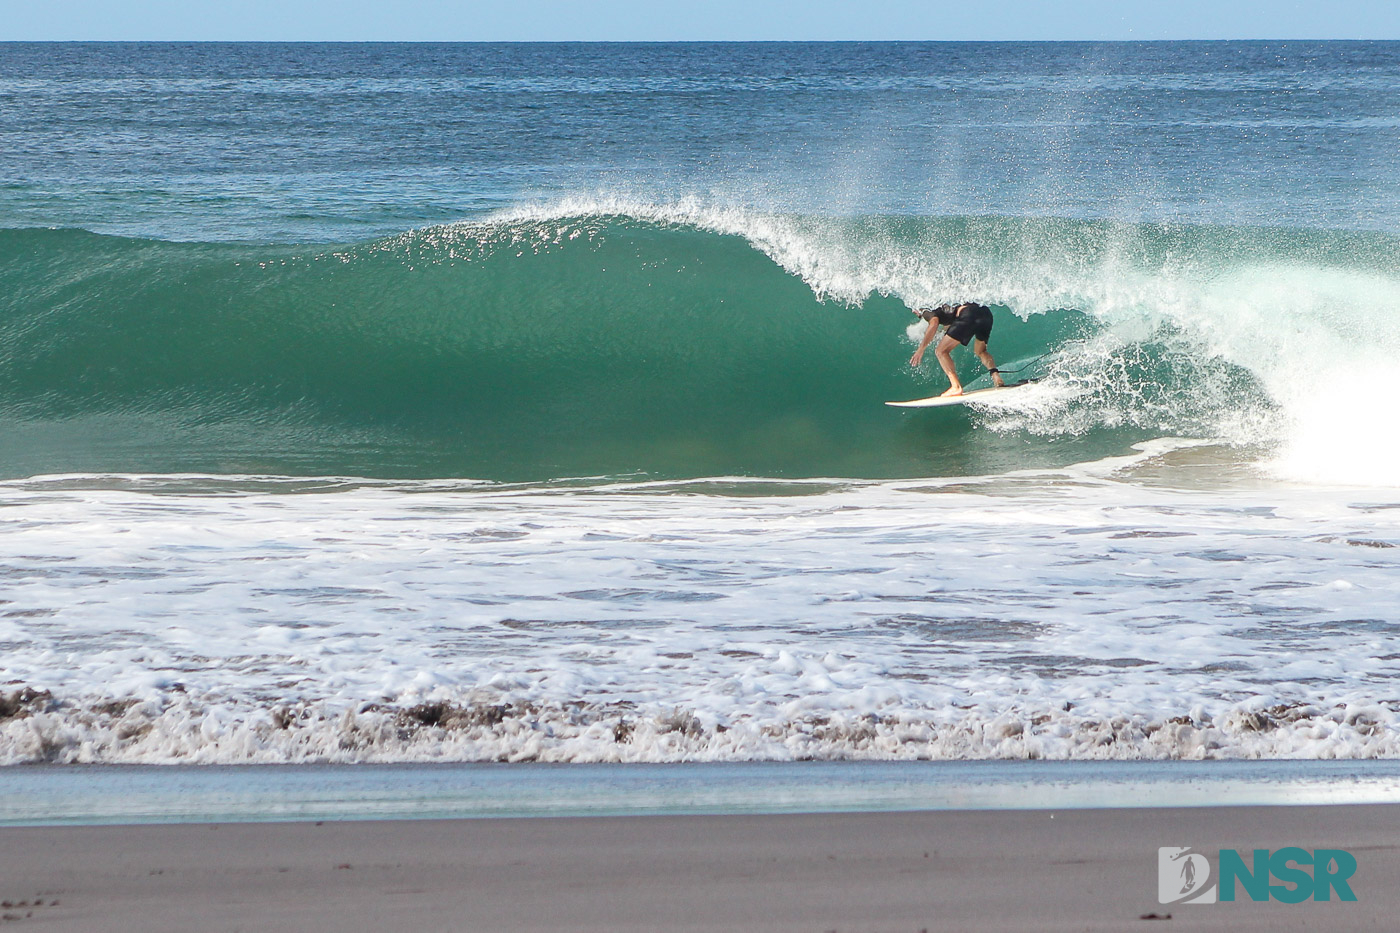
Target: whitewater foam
[[1056, 615]]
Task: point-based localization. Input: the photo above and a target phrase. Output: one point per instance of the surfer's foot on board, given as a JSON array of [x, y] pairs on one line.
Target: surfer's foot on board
[[952, 391]]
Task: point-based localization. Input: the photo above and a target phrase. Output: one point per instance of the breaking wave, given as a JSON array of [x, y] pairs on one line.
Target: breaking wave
[[608, 337]]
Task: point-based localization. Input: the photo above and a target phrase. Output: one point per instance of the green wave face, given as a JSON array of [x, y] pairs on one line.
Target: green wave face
[[593, 344]]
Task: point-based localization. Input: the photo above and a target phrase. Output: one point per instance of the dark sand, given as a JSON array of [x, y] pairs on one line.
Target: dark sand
[[937, 870]]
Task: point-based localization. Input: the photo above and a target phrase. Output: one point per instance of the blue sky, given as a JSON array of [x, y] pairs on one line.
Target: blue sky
[[628, 20]]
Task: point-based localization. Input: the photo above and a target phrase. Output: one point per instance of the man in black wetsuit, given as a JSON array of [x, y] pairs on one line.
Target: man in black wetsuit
[[962, 323]]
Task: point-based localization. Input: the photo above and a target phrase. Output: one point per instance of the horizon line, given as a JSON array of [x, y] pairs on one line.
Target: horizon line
[[1120, 41]]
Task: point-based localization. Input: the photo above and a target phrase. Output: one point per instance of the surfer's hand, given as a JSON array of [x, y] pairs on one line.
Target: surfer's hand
[[917, 358]]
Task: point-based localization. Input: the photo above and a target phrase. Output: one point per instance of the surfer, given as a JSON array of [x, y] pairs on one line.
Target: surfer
[[961, 323]]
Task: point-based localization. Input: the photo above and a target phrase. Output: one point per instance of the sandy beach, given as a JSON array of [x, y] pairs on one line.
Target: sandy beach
[[959, 870]]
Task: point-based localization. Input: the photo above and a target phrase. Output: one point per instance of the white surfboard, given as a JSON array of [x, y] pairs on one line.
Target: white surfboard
[[997, 393]]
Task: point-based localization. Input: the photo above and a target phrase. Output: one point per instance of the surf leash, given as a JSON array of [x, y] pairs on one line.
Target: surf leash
[[1023, 367]]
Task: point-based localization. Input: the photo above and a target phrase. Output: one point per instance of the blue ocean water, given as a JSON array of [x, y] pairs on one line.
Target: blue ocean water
[[525, 401], [334, 143]]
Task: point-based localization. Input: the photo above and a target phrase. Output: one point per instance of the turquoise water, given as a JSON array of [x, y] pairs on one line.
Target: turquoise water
[[504, 351]]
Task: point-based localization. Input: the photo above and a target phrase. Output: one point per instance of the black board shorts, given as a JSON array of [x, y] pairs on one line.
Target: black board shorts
[[976, 321]]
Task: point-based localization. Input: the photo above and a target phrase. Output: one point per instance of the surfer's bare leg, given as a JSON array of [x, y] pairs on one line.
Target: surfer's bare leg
[[980, 348], [944, 352]]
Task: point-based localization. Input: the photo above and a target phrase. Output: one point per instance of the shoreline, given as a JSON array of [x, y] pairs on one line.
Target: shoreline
[[55, 795], [1008, 870]]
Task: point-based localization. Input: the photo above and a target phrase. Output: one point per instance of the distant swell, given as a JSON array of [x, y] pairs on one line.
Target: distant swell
[[606, 339]]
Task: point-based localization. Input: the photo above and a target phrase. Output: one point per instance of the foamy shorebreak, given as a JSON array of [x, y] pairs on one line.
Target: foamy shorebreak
[[1080, 613]]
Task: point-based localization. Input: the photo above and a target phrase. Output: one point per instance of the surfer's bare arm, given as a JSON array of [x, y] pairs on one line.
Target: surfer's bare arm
[[929, 333]]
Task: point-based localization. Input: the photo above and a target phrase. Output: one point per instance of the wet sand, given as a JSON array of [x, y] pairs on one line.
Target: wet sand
[[934, 870]]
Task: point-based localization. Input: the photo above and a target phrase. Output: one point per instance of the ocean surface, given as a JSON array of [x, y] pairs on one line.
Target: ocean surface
[[524, 402]]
